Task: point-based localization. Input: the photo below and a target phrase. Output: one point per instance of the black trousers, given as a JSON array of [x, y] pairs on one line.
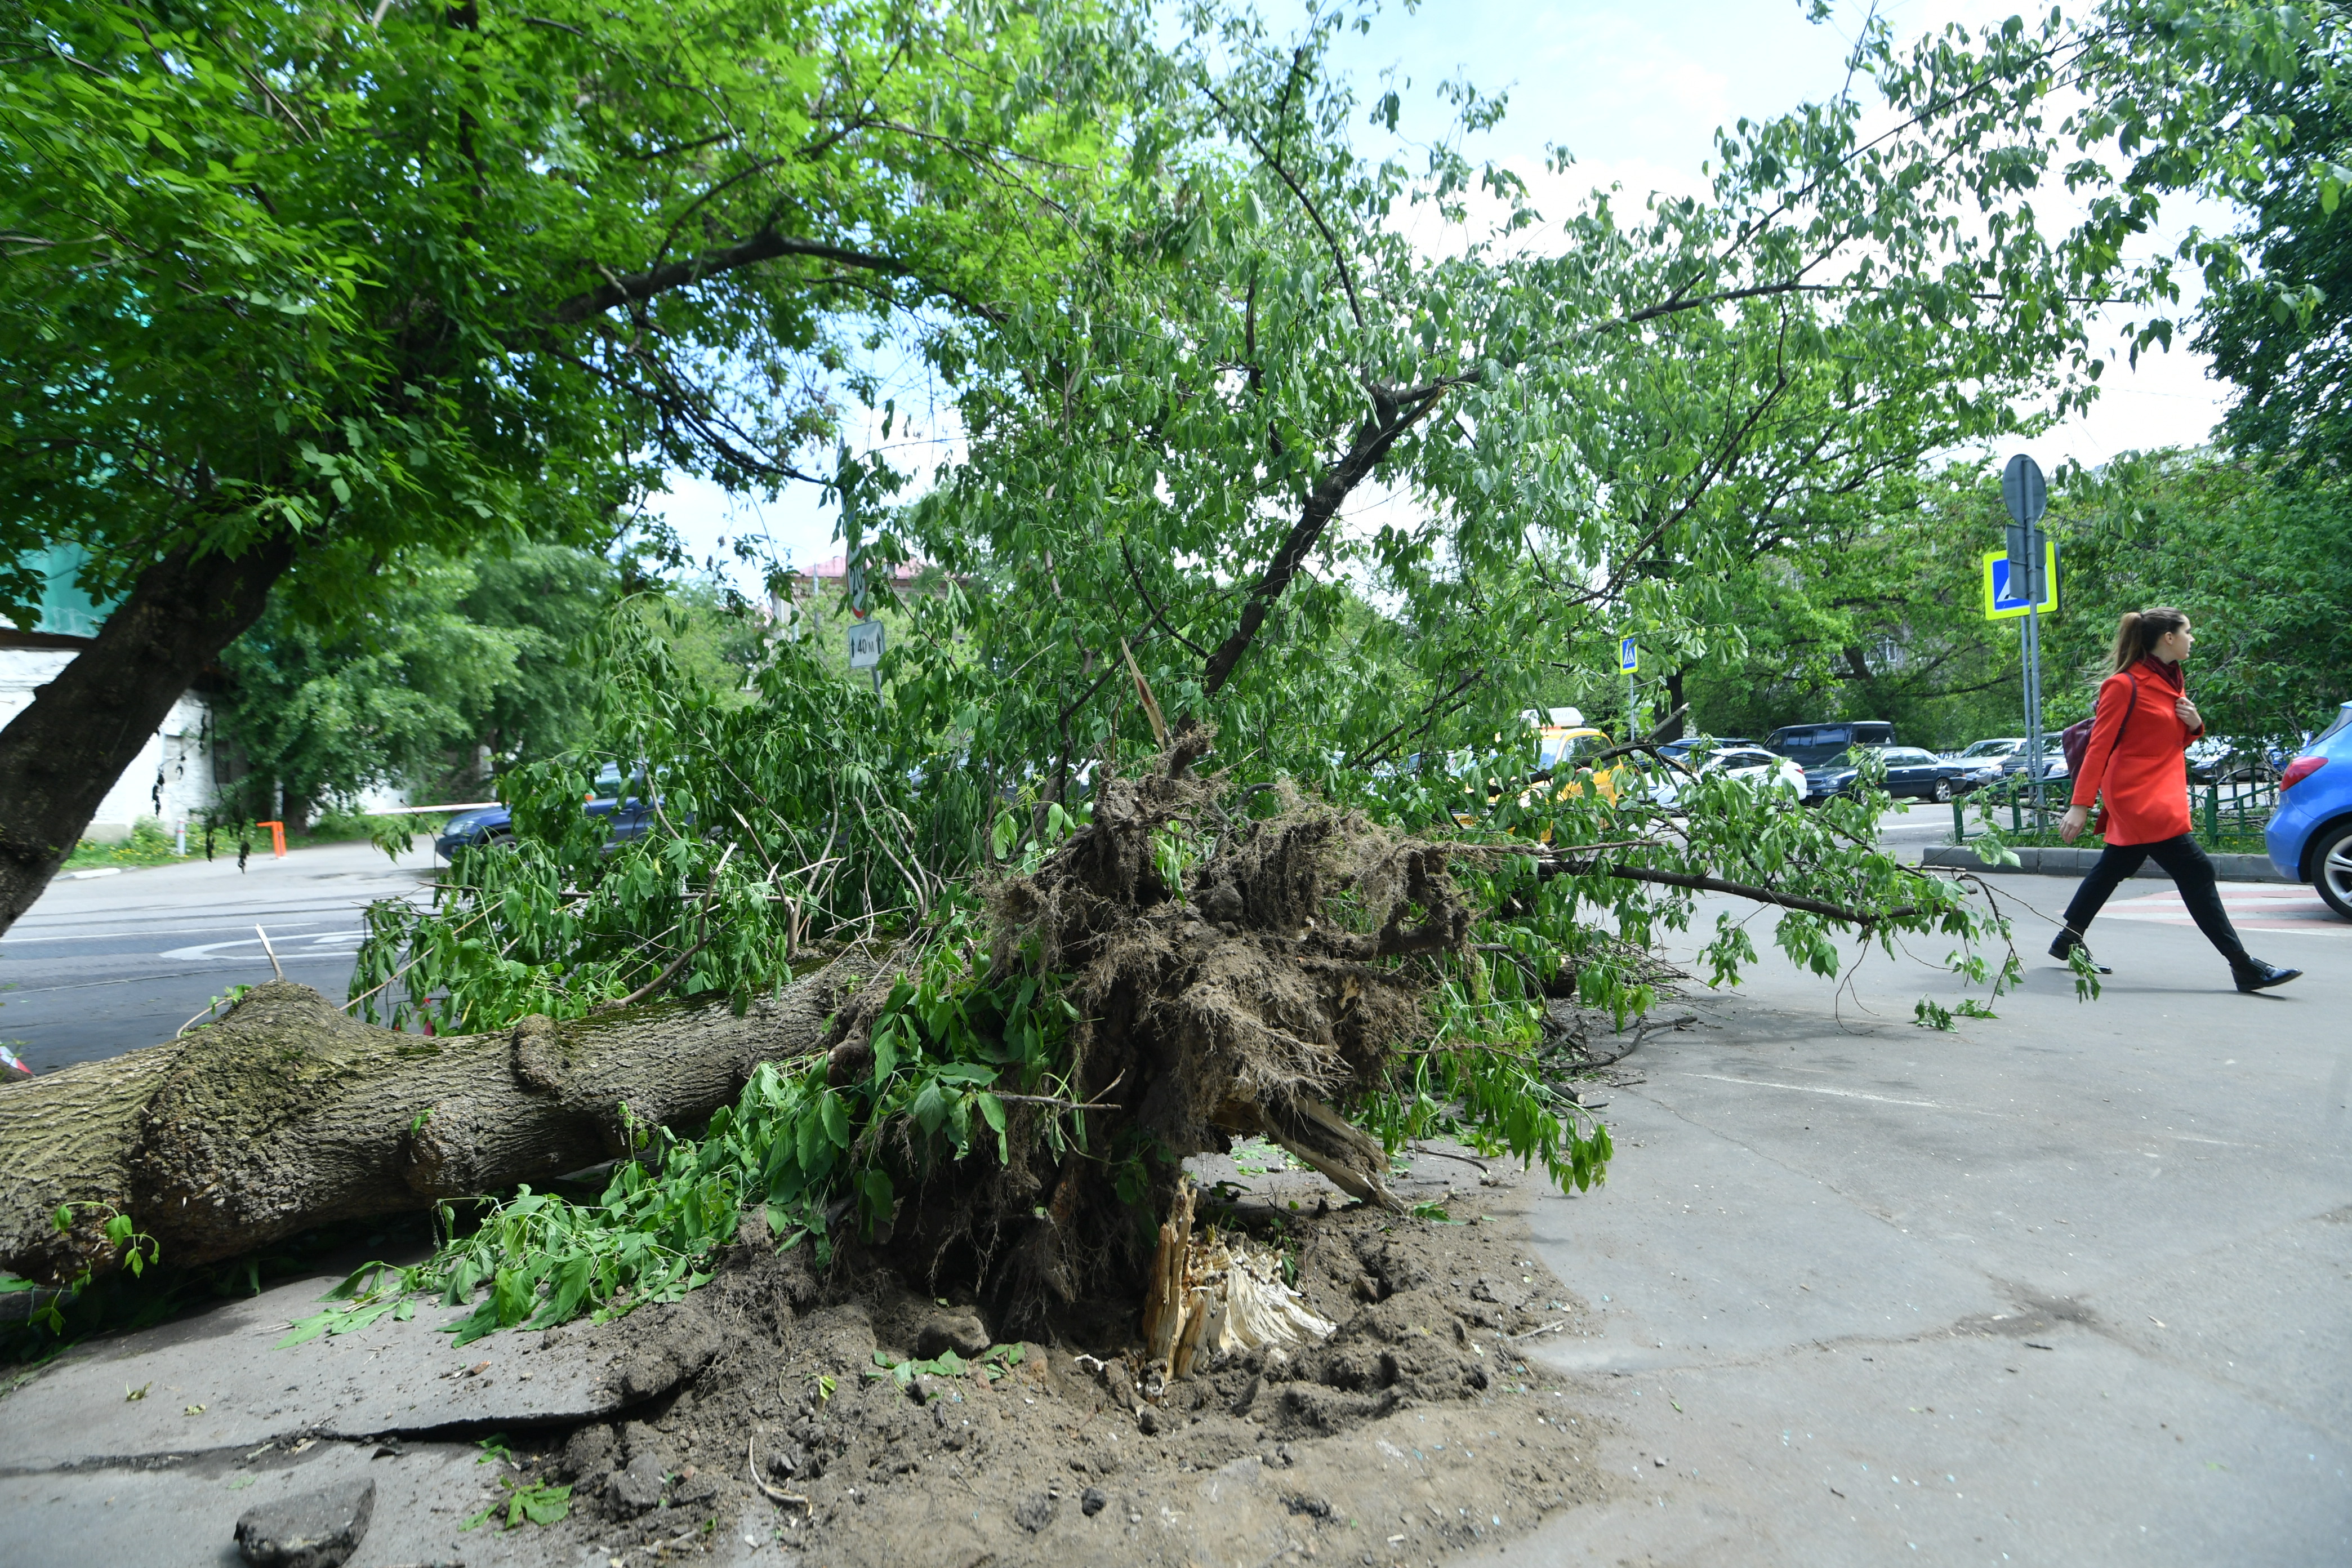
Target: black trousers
[[2182, 861]]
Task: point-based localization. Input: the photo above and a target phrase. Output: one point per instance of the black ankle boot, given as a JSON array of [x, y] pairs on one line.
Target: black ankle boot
[[2066, 942], [2254, 974]]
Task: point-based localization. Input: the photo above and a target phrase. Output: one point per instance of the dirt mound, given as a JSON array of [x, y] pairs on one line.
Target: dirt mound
[[1416, 1428]]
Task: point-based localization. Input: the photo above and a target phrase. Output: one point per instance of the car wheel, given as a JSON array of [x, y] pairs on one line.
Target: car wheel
[[2331, 870], [1943, 792]]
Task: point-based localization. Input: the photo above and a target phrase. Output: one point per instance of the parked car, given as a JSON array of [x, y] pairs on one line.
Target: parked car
[[1909, 772], [1989, 753], [495, 825], [1563, 749], [1749, 762], [2054, 762], [2310, 833], [2220, 759], [1813, 745], [1689, 743]]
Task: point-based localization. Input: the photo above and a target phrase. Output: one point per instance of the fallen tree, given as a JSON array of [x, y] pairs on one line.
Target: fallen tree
[[1274, 983], [288, 1114], [1001, 1100], [1092, 977]]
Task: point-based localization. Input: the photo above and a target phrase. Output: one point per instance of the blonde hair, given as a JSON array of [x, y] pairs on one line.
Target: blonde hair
[[2139, 631]]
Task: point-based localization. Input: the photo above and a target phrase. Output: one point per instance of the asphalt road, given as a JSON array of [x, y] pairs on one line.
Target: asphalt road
[[2066, 1285], [107, 964]]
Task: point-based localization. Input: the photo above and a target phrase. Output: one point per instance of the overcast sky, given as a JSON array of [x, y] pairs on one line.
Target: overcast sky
[[1634, 90]]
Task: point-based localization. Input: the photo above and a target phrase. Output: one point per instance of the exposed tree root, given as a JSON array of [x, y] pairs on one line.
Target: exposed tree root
[[1244, 996]]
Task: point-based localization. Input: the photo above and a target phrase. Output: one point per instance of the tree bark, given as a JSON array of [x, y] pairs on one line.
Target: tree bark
[[289, 1113], [61, 755], [1393, 417], [1677, 708]]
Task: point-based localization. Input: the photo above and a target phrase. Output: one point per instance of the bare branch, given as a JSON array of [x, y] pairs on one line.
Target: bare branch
[[767, 245], [1158, 619], [1560, 867], [1338, 257]]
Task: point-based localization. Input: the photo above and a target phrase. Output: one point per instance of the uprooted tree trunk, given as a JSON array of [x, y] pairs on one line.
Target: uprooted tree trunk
[[288, 1114], [1250, 997]]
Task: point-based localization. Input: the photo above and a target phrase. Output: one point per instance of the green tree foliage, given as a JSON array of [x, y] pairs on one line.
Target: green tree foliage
[[336, 284], [1888, 623], [446, 657], [1875, 611], [2261, 559], [791, 820], [2245, 103], [1584, 421], [2237, 101]]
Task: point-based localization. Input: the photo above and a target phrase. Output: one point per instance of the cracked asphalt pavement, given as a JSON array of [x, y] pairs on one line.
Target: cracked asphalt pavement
[[2065, 1286]]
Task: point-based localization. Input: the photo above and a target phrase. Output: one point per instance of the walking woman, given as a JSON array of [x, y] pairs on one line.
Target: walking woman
[[2136, 766]]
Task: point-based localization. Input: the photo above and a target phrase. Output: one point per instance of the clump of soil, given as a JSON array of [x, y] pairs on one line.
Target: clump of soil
[[1417, 1428]]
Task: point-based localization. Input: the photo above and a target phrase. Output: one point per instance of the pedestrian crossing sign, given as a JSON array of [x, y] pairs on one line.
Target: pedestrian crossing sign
[[2003, 600]]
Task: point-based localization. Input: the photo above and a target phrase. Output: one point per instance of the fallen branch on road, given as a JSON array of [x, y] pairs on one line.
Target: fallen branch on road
[[1559, 866]]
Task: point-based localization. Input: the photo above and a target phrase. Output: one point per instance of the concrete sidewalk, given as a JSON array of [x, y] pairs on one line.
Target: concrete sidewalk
[[2064, 1286]]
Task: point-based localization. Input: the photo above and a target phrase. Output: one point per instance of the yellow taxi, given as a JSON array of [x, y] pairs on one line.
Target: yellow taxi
[[1563, 749], [1565, 745]]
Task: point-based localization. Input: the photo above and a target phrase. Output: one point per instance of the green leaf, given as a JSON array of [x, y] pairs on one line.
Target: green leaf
[[310, 1328], [540, 1504]]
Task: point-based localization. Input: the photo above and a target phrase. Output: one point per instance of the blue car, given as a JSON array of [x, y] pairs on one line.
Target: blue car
[[494, 824], [2310, 835]]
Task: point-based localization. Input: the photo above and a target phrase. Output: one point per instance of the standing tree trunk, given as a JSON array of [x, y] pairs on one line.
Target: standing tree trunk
[[1677, 708], [60, 755]]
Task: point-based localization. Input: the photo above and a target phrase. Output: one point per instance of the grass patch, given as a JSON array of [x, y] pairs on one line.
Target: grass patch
[[2223, 844], [149, 845]]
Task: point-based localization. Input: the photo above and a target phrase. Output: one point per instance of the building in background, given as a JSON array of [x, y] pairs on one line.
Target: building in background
[[815, 589], [173, 777]]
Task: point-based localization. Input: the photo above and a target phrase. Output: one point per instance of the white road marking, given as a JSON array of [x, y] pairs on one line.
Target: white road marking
[[1840, 1093], [2275, 909], [341, 939], [12, 939]]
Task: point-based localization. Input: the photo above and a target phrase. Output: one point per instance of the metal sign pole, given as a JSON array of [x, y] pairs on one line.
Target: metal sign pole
[[1629, 660], [2027, 497], [2033, 686]]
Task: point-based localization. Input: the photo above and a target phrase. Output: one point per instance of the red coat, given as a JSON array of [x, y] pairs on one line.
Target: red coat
[[2139, 765]]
